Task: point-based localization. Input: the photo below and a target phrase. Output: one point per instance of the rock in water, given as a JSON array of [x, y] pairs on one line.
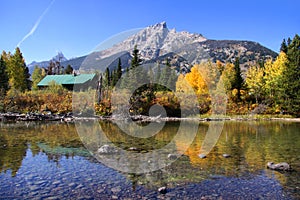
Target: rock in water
[[202, 155], [162, 190], [225, 155], [172, 156], [279, 166], [106, 149]]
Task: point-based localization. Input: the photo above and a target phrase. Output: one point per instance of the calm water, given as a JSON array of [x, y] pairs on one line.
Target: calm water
[[49, 161]]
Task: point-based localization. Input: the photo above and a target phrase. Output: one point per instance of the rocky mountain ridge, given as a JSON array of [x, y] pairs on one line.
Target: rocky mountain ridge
[[157, 42]]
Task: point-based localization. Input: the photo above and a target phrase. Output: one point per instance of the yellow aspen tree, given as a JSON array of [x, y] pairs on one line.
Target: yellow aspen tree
[[210, 74], [182, 85], [196, 80], [255, 81], [220, 66], [274, 78], [227, 77]]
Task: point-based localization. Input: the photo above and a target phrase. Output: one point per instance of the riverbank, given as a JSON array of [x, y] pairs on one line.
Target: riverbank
[[69, 117], [46, 116]]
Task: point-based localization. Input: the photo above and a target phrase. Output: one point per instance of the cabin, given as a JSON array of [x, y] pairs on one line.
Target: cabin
[[69, 81]]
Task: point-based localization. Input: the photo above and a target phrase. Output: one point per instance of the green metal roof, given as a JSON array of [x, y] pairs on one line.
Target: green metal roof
[[68, 79]]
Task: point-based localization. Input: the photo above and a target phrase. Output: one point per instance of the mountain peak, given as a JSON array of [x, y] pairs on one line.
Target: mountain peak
[[154, 41], [157, 40], [59, 57], [160, 25]]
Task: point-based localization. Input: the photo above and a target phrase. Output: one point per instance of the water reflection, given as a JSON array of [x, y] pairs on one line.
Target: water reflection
[[16, 139], [250, 146]]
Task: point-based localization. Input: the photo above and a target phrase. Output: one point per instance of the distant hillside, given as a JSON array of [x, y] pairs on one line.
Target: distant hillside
[[227, 50]]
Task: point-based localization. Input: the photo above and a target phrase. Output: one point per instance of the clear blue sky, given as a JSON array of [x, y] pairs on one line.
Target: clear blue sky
[[76, 27]]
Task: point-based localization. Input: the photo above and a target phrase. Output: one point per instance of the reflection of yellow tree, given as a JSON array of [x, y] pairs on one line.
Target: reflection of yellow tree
[[11, 158], [250, 144]]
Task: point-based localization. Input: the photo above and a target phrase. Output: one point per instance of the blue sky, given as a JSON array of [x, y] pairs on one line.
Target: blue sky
[[76, 27]]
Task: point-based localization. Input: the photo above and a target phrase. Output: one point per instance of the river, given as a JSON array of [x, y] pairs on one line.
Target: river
[[50, 161]]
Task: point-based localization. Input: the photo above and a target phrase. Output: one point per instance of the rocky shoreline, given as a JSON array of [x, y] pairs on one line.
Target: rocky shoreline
[[47, 116], [70, 117]]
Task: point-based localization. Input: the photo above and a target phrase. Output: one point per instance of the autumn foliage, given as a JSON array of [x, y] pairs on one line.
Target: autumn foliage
[[265, 87]]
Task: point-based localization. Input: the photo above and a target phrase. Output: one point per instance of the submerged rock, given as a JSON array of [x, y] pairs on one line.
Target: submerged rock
[[202, 155], [279, 166], [106, 149]]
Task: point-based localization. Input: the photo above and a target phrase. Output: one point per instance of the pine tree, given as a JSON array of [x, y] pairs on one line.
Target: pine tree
[[136, 73], [113, 77], [27, 76], [283, 46], [119, 69], [166, 73], [18, 73], [238, 79], [107, 78], [117, 74], [3, 77], [292, 77], [289, 41], [69, 69], [136, 61], [51, 68], [125, 79]]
